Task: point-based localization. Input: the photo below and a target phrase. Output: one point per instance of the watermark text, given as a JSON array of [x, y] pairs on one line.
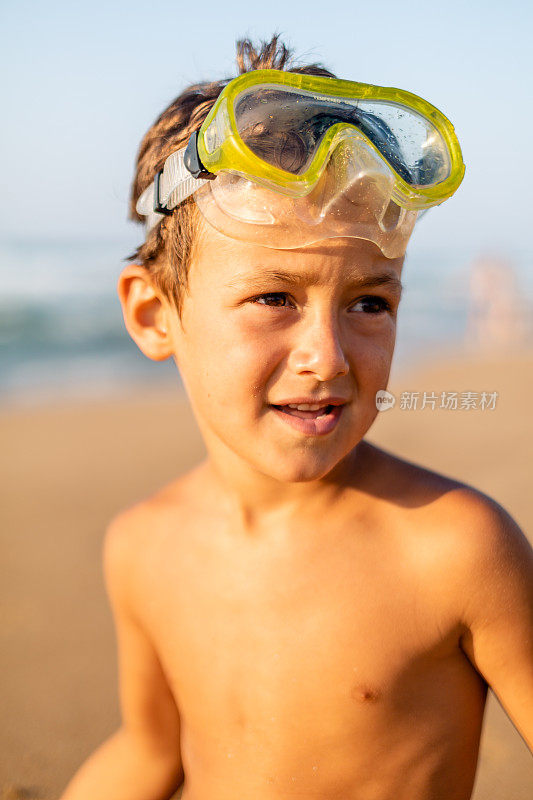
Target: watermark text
[[450, 401]]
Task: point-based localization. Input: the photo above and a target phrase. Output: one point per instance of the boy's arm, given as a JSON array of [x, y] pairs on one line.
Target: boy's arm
[[142, 761], [496, 569]]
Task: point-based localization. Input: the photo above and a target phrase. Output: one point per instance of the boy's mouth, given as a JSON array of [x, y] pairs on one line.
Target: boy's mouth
[[323, 411]]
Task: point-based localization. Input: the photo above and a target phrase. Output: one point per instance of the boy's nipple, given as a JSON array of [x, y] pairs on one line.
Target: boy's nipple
[[364, 693]]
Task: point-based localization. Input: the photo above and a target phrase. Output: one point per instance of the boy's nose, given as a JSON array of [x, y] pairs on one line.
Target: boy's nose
[[318, 349]]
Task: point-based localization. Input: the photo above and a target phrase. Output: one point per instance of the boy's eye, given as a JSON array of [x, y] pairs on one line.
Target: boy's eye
[[275, 295], [373, 304], [369, 305]]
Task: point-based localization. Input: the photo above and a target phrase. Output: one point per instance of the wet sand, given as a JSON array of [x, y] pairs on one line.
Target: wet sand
[[67, 468]]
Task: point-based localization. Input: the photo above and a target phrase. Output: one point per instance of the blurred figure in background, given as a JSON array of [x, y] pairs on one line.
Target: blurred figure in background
[[498, 317]]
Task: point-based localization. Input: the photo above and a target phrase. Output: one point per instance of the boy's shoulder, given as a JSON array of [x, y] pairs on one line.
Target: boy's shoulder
[[141, 527], [464, 531], [411, 485], [408, 485], [463, 549]]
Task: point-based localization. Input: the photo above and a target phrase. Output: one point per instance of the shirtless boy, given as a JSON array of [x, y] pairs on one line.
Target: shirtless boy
[[303, 614]]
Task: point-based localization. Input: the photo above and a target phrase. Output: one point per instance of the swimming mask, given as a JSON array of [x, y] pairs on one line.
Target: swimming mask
[[285, 160]]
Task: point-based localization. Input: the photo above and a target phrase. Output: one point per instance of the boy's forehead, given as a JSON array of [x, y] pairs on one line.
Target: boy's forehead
[[262, 275], [342, 259]]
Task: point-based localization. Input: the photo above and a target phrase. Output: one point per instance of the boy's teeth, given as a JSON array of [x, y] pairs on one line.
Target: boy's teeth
[[306, 410]]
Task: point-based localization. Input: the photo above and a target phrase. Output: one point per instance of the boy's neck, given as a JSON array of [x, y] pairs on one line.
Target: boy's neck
[[253, 500]]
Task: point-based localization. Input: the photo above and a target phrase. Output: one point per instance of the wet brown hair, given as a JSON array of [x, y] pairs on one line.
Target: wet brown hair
[[166, 253]]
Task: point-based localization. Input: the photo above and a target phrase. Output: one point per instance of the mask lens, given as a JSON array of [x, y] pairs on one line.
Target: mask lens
[[285, 127]]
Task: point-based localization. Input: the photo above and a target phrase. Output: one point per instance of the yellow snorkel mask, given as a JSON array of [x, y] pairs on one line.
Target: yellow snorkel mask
[[285, 159]]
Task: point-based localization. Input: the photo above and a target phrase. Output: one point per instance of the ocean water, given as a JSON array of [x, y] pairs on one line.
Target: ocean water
[[62, 332]]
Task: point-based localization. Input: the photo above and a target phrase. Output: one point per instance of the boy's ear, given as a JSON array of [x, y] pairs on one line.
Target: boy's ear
[[146, 315]]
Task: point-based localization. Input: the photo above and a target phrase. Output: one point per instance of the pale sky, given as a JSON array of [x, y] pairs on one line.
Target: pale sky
[[81, 83]]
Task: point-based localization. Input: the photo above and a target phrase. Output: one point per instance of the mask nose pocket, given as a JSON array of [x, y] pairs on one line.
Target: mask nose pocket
[[355, 185], [392, 218]]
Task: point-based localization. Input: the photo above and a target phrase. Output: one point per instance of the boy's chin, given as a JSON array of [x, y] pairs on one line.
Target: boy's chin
[[300, 468]]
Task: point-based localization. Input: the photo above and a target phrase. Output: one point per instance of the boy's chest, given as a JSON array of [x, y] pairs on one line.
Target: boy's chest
[[340, 632]]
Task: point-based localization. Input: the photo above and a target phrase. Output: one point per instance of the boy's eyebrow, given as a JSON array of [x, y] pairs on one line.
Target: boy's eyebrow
[[311, 279]]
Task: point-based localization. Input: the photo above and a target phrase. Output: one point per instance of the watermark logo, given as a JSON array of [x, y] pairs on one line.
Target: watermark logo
[[384, 400], [451, 401]]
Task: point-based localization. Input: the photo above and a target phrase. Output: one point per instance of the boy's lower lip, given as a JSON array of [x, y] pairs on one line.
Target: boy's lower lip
[[313, 427]]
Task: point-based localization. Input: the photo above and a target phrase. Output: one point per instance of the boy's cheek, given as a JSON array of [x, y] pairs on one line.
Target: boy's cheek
[[373, 368]]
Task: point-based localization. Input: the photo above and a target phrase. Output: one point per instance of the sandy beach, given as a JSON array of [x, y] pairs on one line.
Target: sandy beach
[[69, 467]]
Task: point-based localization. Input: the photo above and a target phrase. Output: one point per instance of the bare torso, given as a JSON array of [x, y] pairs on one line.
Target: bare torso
[[321, 662]]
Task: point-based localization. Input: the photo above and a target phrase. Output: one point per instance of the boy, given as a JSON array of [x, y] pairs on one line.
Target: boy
[[303, 614]]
